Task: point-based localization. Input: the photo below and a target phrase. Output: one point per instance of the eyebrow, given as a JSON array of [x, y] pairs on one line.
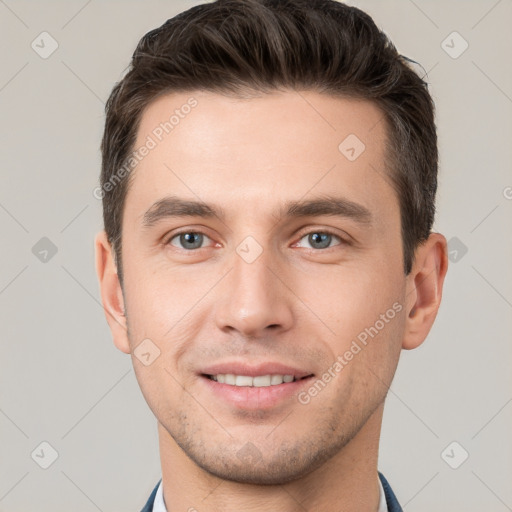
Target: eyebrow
[[172, 206]]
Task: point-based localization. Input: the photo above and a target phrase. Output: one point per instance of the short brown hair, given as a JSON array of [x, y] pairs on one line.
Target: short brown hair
[[235, 46]]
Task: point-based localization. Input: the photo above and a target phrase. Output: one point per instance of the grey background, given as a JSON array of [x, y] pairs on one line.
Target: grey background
[[63, 382]]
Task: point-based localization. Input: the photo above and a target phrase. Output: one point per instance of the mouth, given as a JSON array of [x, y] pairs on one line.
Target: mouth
[[254, 388], [258, 381], [253, 385]]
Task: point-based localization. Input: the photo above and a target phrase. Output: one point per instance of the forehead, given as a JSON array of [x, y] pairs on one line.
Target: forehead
[[298, 116], [285, 145]]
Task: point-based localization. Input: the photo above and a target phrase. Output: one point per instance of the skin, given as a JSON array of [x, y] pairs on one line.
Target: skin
[[297, 304]]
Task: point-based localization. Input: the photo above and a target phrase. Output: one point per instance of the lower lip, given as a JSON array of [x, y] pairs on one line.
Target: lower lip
[[251, 397]]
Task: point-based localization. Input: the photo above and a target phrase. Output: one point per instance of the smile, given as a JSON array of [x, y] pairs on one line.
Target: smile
[[249, 381]]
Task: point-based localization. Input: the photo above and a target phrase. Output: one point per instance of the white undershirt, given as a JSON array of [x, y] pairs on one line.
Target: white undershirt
[[159, 504]]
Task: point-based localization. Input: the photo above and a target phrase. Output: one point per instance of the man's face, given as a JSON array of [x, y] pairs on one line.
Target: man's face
[[261, 285]]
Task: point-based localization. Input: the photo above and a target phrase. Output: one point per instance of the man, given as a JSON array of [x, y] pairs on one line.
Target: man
[[268, 182]]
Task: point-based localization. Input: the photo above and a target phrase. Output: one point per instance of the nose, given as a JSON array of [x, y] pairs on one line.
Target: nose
[[254, 300]]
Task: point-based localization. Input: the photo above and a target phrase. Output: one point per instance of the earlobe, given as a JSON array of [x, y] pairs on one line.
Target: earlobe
[[424, 289], [111, 292]]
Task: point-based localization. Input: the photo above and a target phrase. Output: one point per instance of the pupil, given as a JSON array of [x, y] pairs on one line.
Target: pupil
[[188, 239], [316, 238]]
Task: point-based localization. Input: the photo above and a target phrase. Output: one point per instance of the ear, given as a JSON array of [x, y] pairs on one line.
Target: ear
[[111, 292], [424, 289]]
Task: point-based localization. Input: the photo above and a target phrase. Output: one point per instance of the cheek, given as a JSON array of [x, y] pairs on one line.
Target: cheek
[[362, 314], [349, 299], [158, 298], [367, 351], [149, 315], [156, 386]]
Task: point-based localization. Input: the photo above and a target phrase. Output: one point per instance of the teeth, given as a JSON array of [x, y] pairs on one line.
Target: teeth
[[276, 379], [243, 380], [246, 380], [262, 380]]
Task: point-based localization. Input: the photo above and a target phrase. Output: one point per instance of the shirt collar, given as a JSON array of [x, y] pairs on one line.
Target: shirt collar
[[159, 504], [383, 507]]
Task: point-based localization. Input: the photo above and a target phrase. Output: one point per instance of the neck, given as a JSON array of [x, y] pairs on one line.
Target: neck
[[349, 480]]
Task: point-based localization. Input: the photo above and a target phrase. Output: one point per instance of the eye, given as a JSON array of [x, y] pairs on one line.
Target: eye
[[321, 239], [188, 240], [191, 240]]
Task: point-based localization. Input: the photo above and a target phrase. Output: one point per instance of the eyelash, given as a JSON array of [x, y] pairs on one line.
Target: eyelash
[[316, 231]]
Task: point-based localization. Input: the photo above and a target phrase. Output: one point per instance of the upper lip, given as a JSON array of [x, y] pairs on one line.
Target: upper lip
[[253, 370]]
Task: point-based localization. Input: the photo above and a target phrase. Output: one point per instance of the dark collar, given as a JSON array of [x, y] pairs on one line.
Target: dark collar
[[391, 501]]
